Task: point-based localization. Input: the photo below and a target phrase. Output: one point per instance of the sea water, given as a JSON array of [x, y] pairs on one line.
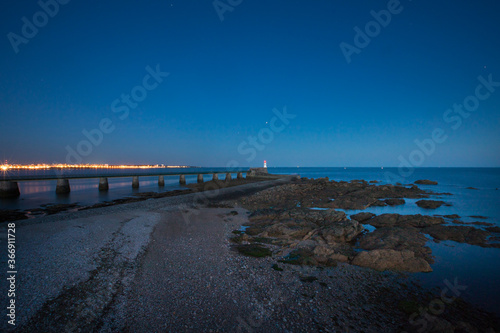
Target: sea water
[[474, 268]]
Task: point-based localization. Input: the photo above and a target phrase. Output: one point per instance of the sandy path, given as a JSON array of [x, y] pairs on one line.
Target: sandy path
[[71, 266]]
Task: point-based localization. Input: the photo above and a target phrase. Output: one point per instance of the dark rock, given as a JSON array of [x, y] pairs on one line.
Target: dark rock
[[378, 203], [253, 250], [394, 201], [362, 217], [11, 215], [483, 224], [308, 278], [460, 234], [302, 223], [430, 204], [452, 216], [392, 260], [277, 268], [51, 209], [341, 232], [300, 257], [324, 254], [397, 238], [426, 182], [255, 172], [392, 220], [319, 193], [479, 217], [493, 229], [471, 188]]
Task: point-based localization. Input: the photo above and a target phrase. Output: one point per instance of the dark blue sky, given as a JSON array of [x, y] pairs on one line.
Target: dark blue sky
[[226, 77]]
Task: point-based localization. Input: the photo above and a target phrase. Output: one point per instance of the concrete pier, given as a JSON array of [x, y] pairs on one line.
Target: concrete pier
[[135, 182], [182, 180], [239, 175], [200, 178], [62, 186], [9, 189], [161, 181], [103, 184], [215, 177], [228, 176]]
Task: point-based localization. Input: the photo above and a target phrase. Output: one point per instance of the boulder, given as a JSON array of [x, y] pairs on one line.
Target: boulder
[[394, 201], [452, 216], [460, 234], [341, 232], [430, 204], [323, 254], [392, 220], [378, 203], [426, 182], [399, 239], [493, 229], [391, 260], [362, 217], [302, 223], [301, 256]]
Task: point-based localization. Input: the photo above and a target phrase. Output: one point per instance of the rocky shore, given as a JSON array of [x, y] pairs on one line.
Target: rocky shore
[[303, 224]]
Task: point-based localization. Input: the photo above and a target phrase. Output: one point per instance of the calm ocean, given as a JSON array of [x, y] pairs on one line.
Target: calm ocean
[[475, 267]]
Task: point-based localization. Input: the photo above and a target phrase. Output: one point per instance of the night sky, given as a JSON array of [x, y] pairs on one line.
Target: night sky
[[363, 104]]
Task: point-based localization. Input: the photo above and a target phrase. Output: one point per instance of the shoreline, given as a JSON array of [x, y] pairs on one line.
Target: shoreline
[[8, 215], [122, 246]]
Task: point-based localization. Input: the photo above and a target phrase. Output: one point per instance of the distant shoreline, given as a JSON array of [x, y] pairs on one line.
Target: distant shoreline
[[43, 166]]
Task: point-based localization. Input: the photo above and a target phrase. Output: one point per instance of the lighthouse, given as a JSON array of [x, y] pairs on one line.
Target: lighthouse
[[265, 164]]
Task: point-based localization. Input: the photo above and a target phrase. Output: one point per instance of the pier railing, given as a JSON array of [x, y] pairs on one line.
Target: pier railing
[[9, 185]]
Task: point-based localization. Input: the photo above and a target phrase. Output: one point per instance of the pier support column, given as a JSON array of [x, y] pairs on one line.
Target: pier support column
[[239, 175], [228, 176], [182, 180], [103, 184], [215, 177], [200, 178], [62, 186], [135, 182], [9, 189], [161, 181]]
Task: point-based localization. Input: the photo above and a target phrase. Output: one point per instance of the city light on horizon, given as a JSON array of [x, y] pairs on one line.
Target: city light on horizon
[[6, 166]]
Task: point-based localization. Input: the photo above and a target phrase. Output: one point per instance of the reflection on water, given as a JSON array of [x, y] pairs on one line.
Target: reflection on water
[[34, 187], [86, 192], [475, 267]]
